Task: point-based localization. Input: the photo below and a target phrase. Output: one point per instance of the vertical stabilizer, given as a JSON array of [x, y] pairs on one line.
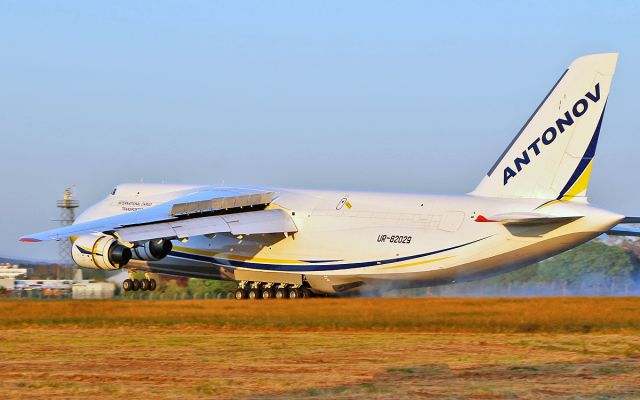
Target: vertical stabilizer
[[552, 155]]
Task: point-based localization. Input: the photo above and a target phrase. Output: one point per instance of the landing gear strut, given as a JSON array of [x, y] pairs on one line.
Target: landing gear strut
[[270, 290], [133, 284]]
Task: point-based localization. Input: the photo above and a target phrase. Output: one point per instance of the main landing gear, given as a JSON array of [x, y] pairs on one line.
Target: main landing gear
[[269, 290], [132, 284]]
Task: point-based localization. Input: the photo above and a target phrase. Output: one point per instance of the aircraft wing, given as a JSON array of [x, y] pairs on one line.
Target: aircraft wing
[[239, 211]]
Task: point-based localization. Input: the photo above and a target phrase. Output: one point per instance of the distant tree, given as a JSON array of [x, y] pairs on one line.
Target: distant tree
[[172, 287], [632, 248], [211, 288], [593, 263], [595, 267]]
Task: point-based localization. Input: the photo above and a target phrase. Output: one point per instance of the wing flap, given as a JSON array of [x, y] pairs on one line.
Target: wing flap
[[253, 222], [269, 221], [143, 232], [199, 226]]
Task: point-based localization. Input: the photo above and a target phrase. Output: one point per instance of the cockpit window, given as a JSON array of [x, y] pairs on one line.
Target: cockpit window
[[114, 191]]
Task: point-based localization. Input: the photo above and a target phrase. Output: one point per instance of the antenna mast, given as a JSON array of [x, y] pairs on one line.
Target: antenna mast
[[67, 208]]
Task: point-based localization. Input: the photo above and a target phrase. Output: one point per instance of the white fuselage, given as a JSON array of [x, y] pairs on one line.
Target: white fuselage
[[346, 241]]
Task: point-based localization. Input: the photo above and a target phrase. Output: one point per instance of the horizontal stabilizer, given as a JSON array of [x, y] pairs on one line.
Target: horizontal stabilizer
[[624, 231], [527, 218]]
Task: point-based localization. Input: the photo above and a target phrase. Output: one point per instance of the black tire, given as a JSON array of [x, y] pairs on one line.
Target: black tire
[[144, 284], [136, 285], [240, 294], [267, 294], [295, 293], [127, 285], [281, 293], [306, 293], [255, 294], [152, 284]]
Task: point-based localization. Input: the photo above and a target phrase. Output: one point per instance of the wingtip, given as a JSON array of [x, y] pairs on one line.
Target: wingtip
[[29, 240]]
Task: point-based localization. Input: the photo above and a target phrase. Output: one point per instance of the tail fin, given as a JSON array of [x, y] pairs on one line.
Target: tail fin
[[552, 155]]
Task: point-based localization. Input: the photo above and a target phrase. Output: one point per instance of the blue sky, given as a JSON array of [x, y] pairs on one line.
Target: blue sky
[[394, 96]]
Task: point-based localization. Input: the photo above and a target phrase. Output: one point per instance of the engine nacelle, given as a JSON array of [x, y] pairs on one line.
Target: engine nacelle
[[99, 252], [153, 250]]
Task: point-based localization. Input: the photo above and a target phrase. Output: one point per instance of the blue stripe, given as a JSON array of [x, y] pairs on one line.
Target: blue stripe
[[586, 158], [83, 251], [307, 268], [319, 261]]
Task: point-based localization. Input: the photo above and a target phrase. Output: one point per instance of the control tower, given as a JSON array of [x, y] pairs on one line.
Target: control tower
[[67, 208]]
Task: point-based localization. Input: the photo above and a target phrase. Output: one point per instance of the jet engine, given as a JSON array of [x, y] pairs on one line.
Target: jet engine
[[153, 250], [99, 252]]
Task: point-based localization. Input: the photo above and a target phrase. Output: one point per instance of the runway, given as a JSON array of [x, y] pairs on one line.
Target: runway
[[459, 348]]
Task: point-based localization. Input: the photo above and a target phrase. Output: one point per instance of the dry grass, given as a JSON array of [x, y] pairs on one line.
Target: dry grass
[[345, 349], [557, 315]]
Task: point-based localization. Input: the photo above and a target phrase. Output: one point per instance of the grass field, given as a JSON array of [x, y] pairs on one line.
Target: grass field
[[322, 348]]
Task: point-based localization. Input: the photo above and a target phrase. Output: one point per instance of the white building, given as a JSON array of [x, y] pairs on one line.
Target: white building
[[93, 290], [11, 271]]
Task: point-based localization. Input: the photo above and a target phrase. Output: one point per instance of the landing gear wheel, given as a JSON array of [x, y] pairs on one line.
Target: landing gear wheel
[[152, 284], [281, 293], [306, 293], [294, 293], [254, 294], [240, 294], [144, 284], [136, 284], [267, 294], [127, 285]]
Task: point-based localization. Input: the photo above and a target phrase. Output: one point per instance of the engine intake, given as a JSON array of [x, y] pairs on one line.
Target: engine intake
[[99, 252], [153, 250]]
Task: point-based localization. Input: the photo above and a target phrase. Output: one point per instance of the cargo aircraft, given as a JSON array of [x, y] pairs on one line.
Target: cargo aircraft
[[292, 243]]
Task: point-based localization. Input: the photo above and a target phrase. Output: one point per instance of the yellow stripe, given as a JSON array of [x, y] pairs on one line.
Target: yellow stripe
[[416, 263], [549, 203], [233, 257], [580, 185]]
